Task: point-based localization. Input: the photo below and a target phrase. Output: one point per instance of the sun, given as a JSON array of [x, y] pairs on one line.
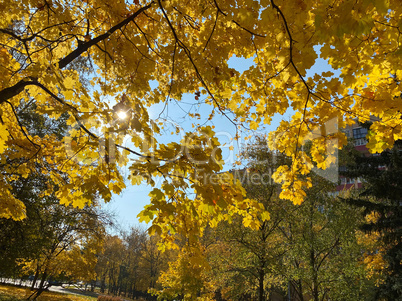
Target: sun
[[122, 115]]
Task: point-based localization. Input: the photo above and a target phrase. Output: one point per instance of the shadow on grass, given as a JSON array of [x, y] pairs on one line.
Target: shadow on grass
[[8, 298], [13, 293]]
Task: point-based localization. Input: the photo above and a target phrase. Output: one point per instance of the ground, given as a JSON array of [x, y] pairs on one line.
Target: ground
[[12, 293]]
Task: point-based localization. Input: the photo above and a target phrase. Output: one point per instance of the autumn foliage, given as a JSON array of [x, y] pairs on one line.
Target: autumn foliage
[[82, 58]]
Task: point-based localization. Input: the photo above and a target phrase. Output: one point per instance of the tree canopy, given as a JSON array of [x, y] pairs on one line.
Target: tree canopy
[[381, 199], [90, 59]]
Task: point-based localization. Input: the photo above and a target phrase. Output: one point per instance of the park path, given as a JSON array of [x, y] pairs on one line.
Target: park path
[[58, 289]]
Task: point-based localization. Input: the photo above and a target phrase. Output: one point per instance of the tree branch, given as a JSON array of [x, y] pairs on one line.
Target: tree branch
[[188, 54], [85, 46], [14, 90]]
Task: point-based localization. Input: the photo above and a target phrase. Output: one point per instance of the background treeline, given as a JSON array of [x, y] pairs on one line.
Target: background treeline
[[126, 265], [130, 264], [331, 247]]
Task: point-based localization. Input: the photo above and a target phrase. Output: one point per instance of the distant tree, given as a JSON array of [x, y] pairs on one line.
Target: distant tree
[[325, 252], [130, 264], [311, 250], [25, 239], [153, 260], [51, 230], [186, 277], [381, 199], [249, 261], [131, 277]]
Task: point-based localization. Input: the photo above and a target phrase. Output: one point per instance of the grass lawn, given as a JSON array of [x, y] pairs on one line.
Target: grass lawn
[[12, 293]]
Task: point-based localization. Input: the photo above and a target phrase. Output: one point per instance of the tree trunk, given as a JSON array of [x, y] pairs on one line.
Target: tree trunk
[[299, 289], [40, 289], [35, 279], [314, 276], [261, 275], [103, 284]]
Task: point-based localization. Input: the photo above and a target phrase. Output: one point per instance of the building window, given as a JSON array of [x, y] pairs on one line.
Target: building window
[[360, 141], [343, 168], [347, 181], [346, 132], [359, 133]]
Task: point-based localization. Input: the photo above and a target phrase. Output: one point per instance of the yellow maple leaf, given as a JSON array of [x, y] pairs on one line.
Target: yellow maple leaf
[[3, 137]]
